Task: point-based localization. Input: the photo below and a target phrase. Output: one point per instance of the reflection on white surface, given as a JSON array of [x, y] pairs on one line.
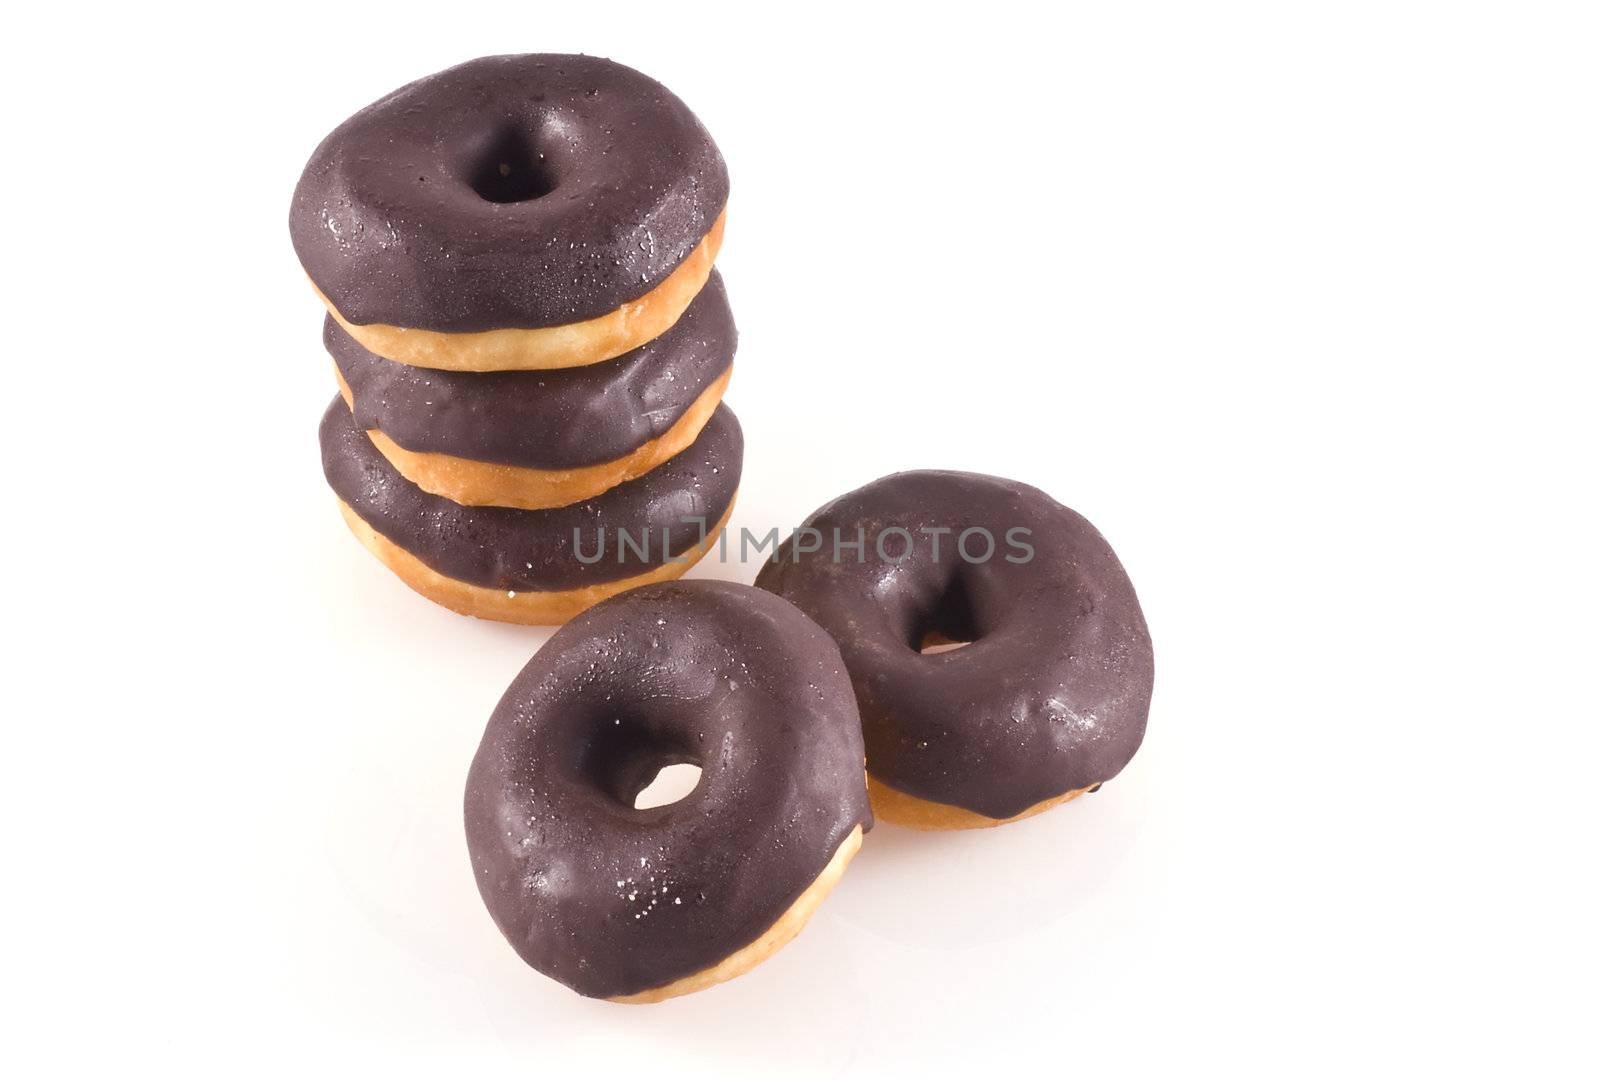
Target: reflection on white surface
[[972, 886]]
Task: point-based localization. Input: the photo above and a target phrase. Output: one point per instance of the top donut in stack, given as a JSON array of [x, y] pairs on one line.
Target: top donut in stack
[[516, 258]]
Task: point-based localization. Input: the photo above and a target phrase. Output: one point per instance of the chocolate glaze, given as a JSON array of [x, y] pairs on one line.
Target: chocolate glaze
[[509, 191], [1053, 691], [611, 900], [561, 419], [532, 550]]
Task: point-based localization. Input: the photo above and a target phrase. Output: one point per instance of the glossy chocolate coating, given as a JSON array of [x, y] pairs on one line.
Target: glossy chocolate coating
[[561, 419], [1052, 692], [532, 550], [509, 191], [611, 900]]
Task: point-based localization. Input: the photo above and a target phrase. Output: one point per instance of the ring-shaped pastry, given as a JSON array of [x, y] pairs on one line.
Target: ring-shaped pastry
[[513, 212], [535, 566], [537, 439], [1047, 697], [639, 905]]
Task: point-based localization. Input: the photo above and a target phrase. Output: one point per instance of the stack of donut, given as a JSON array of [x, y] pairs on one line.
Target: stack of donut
[[530, 341], [531, 348]]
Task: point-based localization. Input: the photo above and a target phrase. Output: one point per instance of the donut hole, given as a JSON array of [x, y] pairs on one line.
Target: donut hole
[[510, 168], [934, 642], [949, 623], [638, 764], [672, 784]]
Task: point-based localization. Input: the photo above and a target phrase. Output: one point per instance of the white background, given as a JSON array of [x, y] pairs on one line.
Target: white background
[[1297, 302]]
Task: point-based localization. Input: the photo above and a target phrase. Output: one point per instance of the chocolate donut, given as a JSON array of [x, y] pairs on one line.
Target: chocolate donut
[[535, 566], [512, 212], [642, 905], [536, 439], [1049, 696]]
